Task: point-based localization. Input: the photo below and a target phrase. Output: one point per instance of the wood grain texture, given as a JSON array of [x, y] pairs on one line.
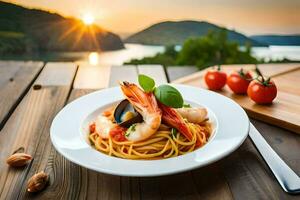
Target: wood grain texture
[[176, 72], [248, 175], [122, 73], [57, 73], [241, 175], [92, 77], [157, 72], [278, 68], [70, 181], [285, 109], [28, 128], [15, 80]]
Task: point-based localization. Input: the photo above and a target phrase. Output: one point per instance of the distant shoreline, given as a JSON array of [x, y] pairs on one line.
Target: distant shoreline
[[139, 51]]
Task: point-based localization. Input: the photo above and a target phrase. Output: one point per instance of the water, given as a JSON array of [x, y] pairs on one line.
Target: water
[[277, 52], [138, 51], [118, 57]]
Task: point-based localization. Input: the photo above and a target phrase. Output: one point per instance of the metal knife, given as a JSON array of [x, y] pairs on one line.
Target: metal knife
[[287, 178]]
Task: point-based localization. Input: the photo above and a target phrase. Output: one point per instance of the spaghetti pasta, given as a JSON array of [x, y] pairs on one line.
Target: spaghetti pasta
[[162, 144]]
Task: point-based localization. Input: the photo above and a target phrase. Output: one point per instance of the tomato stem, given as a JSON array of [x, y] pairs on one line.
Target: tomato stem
[[258, 72], [263, 81], [241, 72]]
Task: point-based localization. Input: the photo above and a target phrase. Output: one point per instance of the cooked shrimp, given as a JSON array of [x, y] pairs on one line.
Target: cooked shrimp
[[146, 105], [103, 126], [193, 115], [171, 117]]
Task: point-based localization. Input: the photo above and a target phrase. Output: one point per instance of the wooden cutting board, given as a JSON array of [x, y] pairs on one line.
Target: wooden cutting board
[[285, 109]]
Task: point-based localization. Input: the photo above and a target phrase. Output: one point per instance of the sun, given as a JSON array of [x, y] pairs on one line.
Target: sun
[[88, 19]]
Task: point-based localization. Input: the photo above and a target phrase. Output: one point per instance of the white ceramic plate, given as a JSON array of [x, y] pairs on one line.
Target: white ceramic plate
[[69, 132]]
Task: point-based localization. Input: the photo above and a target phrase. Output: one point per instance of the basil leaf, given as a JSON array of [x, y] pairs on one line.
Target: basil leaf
[[146, 82], [169, 96]]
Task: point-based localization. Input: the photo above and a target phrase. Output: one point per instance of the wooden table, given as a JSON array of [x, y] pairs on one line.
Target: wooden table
[[26, 113]]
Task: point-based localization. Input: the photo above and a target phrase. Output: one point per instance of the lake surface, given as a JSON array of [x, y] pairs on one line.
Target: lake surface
[[140, 51], [137, 51]]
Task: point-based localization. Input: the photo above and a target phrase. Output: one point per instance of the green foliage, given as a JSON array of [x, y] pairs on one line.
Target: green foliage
[[12, 42], [213, 49]]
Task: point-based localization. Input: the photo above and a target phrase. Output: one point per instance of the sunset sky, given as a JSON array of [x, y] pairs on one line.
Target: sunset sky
[[128, 16]]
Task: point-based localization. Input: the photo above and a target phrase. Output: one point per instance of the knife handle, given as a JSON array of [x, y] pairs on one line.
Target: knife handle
[[287, 178]]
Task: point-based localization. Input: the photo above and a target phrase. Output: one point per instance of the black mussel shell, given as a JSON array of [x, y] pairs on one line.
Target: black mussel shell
[[120, 110]]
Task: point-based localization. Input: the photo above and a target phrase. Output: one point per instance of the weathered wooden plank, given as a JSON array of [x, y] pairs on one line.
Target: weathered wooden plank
[[15, 80], [210, 183], [122, 73], [178, 186], [176, 72], [248, 175], [277, 69], [157, 72], [68, 180], [284, 142], [92, 77], [242, 175], [28, 128], [57, 73]]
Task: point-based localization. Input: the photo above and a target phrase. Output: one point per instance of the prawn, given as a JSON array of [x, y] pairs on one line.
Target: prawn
[[146, 105], [172, 117], [104, 124], [193, 115]]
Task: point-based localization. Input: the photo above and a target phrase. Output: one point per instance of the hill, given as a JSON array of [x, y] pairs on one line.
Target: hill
[[278, 39], [175, 33], [31, 30]]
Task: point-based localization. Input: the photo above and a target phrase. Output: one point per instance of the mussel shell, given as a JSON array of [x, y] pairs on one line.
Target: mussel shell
[[125, 105]]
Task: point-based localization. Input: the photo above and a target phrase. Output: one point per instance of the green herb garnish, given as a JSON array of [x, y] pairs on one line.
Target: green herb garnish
[[169, 96], [165, 94], [146, 82], [174, 132], [187, 105], [130, 129]]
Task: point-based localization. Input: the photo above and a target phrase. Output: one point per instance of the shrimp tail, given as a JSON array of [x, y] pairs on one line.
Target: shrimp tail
[[171, 117], [139, 99]]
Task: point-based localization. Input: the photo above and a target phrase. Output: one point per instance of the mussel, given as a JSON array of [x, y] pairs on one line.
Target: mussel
[[125, 115]]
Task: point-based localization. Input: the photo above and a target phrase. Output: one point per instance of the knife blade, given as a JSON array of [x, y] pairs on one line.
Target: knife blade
[[287, 178]]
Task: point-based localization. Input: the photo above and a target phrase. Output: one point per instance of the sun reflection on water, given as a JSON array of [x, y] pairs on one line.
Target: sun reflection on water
[[94, 58]]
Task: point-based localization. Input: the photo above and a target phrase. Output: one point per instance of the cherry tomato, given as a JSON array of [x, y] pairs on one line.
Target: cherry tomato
[[118, 133], [215, 79], [262, 92], [238, 81]]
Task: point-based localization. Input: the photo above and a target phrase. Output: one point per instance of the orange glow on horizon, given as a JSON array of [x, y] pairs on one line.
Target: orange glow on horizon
[[248, 16]]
